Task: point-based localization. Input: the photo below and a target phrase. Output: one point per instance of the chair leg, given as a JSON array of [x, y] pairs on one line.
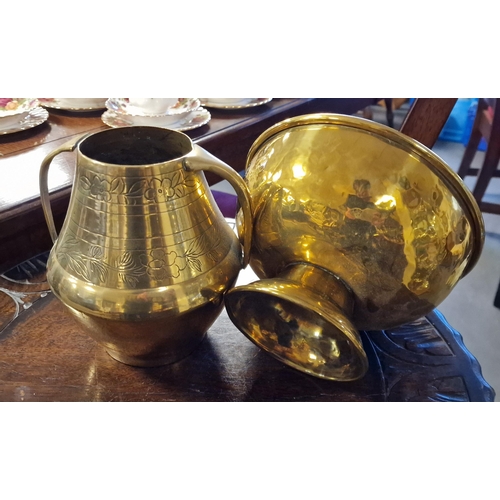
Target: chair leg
[[473, 144], [389, 112], [486, 173], [491, 159], [496, 302]]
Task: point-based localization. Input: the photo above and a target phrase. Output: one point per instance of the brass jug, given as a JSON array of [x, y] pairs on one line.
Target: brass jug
[[144, 255], [356, 227]]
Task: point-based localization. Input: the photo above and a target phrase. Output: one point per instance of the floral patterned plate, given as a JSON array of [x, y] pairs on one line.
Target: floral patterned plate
[[14, 105], [190, 121], [230, 103], [25, 121], [73, 104], [14, 109]]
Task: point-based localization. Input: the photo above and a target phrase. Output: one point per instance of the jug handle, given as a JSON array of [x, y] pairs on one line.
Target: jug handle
[[199, 160], [43, 179]]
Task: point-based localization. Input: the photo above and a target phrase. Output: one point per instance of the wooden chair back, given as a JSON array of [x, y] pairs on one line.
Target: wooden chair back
[[486, 125], [426, 119]]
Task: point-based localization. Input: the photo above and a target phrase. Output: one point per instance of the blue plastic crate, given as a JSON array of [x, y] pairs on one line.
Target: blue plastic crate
[[459, 125], [456, 125]]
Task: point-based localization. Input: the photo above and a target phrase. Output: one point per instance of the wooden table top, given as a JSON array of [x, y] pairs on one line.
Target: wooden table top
[[44, 356], [21, 153]]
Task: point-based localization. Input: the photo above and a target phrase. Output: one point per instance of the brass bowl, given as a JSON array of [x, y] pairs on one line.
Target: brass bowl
[[356, 227]]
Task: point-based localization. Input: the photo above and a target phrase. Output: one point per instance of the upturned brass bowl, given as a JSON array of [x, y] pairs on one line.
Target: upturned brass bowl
[[356, 227]]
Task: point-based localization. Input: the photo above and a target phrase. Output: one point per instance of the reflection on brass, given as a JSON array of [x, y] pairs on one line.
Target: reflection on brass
[[356, 226], [144, 255]]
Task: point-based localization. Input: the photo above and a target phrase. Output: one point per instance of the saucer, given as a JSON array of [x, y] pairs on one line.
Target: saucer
[[153, 108], [190, 121], [248, 102], [73, 104], [33, 118]]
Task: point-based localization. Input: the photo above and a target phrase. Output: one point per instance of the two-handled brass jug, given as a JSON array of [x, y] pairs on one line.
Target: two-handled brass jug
[[355, 227], [144, 255]]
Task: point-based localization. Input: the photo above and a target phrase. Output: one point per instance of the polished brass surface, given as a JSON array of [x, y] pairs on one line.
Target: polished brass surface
[[144, 255], [299, 317], [389, 224]]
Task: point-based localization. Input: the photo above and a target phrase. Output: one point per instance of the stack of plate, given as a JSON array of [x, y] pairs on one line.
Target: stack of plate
[[20, 113], [173, 113]]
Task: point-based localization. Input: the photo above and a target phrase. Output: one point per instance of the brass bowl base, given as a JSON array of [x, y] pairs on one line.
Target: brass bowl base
[[299, 318]]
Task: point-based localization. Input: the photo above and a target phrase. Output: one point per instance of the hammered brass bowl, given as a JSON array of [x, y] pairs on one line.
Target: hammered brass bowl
[[356, 227]]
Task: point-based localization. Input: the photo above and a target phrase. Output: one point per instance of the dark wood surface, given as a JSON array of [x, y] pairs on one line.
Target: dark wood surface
[[427, 118], [45, 357], [228, 135]]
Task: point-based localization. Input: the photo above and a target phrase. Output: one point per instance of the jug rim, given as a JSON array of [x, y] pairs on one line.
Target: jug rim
[[187, 146]]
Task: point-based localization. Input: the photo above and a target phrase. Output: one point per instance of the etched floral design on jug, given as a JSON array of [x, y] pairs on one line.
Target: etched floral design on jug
[[151, 190], [159, 264], [100, 189], [159, 189]]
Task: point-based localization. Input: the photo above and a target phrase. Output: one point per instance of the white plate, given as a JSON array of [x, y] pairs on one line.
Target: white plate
[[35, 117], [74, 104], [153, 107], [195, 119], [248, 102], [13, 120]]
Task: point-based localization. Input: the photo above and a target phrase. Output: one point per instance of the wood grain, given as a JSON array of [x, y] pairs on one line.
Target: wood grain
[[45, 357], [426, 119]]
